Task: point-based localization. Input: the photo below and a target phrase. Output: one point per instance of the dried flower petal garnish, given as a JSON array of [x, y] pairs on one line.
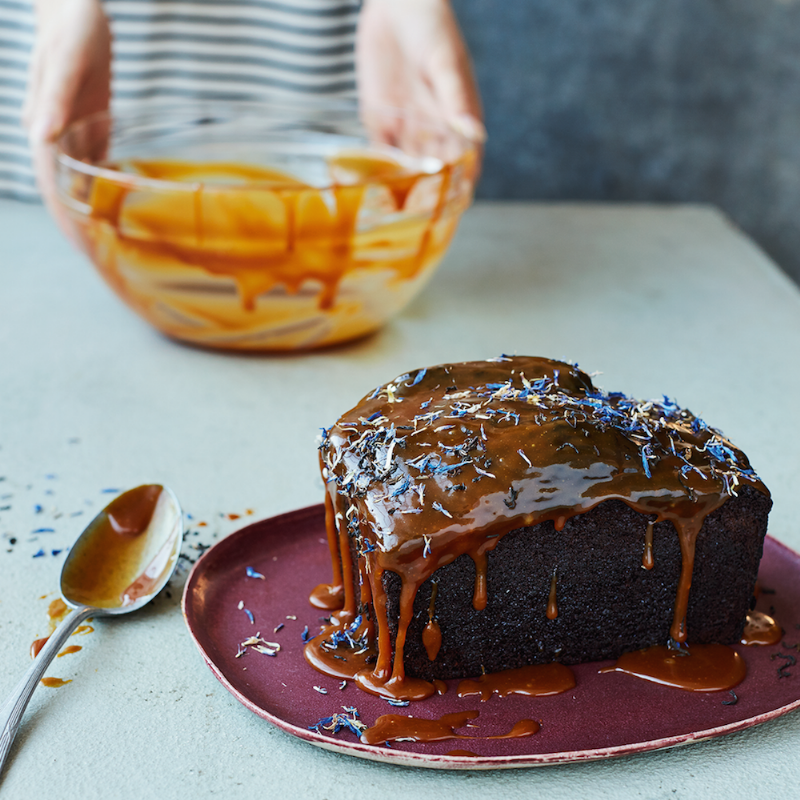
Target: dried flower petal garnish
[[349, 721]]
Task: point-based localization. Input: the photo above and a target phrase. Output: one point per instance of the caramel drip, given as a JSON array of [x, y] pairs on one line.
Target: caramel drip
[[73, 648], [82, 630], [56, 611], [432, 633], [290, 207], [647, 556], [388, 679], [700, 668], [687, 535], [537, 680], [464, 753], [197, 197], [552, 604], [440, 686], [330, 596], [350, 167], [479, 593], [348, 610], [432, 639], [761, 629], [348, 202], [407, 595], [401, 188], [37, 645], [54, 683], [366, 596], [383, 667], [434, 218], [397, 727], [257, 227]]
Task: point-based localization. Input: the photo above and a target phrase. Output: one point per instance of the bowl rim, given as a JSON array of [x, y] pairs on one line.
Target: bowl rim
[[153, 109]]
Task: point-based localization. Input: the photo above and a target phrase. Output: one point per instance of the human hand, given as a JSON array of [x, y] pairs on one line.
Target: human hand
[[69, 78], [410, 55]]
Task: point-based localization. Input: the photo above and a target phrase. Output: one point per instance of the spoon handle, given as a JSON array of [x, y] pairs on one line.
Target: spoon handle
[[14, 707]]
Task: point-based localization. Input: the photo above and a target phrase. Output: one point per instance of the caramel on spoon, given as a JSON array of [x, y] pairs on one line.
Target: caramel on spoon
[[121, 561]]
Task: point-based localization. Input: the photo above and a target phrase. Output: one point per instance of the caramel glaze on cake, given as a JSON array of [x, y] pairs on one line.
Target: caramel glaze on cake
[[487, 515]]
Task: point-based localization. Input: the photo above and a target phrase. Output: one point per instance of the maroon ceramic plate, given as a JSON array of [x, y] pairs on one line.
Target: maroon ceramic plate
[[605, 715]]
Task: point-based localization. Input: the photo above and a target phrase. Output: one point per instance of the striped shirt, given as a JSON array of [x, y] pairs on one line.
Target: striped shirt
[[189, 49]]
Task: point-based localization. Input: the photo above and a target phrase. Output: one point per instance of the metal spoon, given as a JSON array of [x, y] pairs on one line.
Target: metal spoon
[[120, 562]]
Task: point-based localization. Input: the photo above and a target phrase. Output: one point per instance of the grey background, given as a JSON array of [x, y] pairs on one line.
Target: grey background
[[638, 100]]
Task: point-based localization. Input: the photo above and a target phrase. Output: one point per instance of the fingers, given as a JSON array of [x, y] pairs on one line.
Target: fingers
[[72, 53], [69, 77], [412, 55]]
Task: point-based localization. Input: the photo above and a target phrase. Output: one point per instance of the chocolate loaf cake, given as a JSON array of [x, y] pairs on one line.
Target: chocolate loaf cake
[[490, 515]]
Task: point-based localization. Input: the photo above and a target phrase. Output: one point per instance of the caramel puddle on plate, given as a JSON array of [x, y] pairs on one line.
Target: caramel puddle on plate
[[537, 680], [698, 668], [400, 728], [761, 629]]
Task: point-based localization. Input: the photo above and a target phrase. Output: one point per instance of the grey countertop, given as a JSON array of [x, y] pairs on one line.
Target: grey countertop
[[658, 299]]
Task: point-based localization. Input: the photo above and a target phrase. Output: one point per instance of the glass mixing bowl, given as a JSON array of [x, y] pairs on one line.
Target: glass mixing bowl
[[265, 227]]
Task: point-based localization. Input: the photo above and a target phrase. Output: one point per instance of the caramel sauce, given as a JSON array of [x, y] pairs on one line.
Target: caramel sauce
[[536, 680], [54, 683], [479, 596], [432, 639], [396, 687], [761, 629], [82, 630], [465, 753], [339, 660], [327, 597], [330, 596], [428, 468], [648, 561], [701, 668], [37, 645], [552, 600], [399, 728], [118, 559], [181, 254], [56, 612], [73, 648], [432, 633]]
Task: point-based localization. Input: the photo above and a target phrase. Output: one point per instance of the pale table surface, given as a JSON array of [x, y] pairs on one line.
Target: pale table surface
[[659, 299]]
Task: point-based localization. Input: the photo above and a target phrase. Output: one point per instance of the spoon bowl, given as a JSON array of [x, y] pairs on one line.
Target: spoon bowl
[[126, 554], [121, 561]]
